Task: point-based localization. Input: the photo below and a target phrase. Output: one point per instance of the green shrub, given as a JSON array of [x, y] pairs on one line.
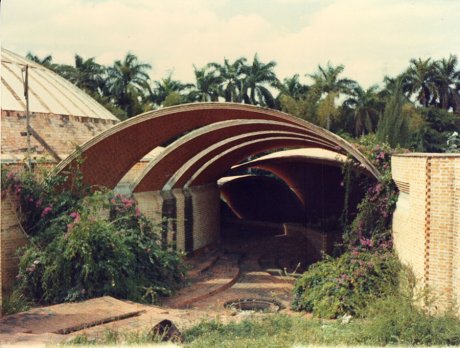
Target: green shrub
[[14, 302], [86, 247], [397, 320], [375, 211], [345, 285]]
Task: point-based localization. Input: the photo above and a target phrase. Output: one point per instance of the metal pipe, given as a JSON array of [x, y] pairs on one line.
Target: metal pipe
[[26, 96]]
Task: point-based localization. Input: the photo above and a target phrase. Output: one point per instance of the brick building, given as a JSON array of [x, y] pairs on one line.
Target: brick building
[[194, 146]]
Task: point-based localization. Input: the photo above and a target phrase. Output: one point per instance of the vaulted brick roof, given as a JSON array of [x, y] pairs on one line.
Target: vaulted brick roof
[[212, 138]]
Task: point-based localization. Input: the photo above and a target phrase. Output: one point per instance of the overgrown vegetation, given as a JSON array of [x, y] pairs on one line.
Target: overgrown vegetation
[[347, 284], [85, 244], [397, 323], [390, 318], [366, 268]]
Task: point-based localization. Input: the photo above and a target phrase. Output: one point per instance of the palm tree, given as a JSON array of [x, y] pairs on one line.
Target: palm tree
[[419, 80], [292, 87], [167, 86], [207, 86], [393, 126], [46, 61], [128, 83], [447, 78], [326, 83], [327, 80], [365, 108], [89, 75], [259, 77], [233, 75]]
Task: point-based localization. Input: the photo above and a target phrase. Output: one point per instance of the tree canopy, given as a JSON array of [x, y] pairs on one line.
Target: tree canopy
[[427, 101]]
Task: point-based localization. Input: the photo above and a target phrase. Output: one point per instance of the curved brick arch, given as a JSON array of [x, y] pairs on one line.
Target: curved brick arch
[[160, 169], [202, 158], [218, 165], [112, 153]]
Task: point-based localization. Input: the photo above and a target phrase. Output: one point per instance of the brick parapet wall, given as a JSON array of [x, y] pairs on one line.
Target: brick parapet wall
[[409, 216], [426, 221]]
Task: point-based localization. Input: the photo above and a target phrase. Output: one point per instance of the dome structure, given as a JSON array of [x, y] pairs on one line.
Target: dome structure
[[62, 116]]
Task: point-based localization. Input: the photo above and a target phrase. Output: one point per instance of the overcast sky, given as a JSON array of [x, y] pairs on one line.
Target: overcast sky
[[372, 38]]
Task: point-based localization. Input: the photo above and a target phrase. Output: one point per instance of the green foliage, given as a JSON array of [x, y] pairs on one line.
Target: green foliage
[[374, 217], [393, 126], [39, 202], [453, 143], [173, 98], [345, 285], [115, 337], [397, 320], [433, 135], [14, 302], [86, 247]]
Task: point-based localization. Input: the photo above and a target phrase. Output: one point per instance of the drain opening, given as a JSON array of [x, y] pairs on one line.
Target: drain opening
[[254, 304]]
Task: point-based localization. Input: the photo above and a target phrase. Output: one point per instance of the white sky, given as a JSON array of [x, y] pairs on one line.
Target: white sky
[[372, 38]]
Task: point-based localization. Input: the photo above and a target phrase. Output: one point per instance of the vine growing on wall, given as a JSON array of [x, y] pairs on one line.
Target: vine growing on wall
[[372, 224]]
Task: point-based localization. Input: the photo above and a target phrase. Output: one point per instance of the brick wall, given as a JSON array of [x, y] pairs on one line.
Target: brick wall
[[60, 132], [191, 216], [456, 236], [206, 215], [11, 238], [409, 216], [426, 222]]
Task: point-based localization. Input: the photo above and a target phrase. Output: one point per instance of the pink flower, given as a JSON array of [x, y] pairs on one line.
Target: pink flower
[[76, 216], [47, 210], [38, 203], [138, 212]]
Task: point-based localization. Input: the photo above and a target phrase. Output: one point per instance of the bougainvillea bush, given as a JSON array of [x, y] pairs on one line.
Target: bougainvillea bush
[[347, 284], [367, 267], [84, 245], [375, 212]]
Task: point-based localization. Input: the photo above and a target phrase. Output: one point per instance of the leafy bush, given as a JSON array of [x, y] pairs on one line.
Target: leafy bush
[[375, 211], [397, 320], [38, 198], [86, 247], [345, 285]]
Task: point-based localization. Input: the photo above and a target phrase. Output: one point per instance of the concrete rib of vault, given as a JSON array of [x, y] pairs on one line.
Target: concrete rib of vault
[[206, 130], [246, 144], [269, 135]]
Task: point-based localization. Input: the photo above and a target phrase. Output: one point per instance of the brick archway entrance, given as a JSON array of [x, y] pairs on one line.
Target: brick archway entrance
[[203, 141]]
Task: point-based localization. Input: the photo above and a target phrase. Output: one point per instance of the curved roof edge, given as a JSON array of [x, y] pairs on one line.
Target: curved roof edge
[[130, 140]]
